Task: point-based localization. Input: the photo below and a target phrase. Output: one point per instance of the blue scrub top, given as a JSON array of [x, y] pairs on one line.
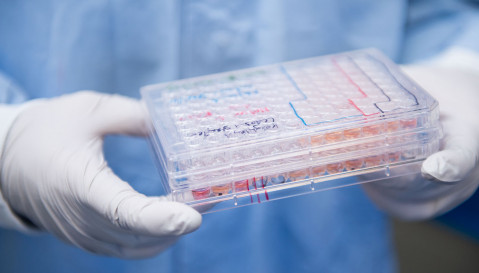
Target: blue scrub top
[[55, 47]]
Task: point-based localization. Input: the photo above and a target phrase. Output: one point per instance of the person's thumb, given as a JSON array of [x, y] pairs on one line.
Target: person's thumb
[[455, 162], [135, 212]]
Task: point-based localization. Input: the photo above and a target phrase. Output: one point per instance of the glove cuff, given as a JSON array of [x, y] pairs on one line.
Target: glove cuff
[[8, 114]]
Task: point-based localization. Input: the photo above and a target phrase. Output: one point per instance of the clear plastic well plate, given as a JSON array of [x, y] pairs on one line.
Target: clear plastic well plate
[[270, 132]]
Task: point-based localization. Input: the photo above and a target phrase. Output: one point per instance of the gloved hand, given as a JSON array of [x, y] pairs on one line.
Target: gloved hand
[[53, 173], [451, 175]]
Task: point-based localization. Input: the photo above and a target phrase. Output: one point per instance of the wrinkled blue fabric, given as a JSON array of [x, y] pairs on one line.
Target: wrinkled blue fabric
[[55, 47]]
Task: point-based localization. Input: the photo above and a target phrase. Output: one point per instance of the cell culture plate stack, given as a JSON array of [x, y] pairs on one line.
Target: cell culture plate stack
[[264, 133]]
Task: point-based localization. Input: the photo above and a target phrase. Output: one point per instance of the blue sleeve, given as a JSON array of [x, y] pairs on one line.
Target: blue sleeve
[[433, 26], [9, 91]]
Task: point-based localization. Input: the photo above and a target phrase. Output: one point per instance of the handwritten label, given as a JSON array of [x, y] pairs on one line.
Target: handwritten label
[[245, 128]]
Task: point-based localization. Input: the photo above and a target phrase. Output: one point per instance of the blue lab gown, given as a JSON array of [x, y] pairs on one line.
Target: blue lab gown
[[55, 47]]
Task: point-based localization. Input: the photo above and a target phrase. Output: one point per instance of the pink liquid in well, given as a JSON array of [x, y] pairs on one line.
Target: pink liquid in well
[[393, 126], [298, 175], [317, 140], [219, 190], [353, 164], [241, 185], [372, 130], [334, 168], [318, 170], [201, 193], [409, 123], [372, 161], [333, 137], [352, 133]]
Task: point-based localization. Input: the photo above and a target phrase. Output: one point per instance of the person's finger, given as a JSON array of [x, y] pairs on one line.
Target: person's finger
[[156, 217], [115, 114], [458, 157], [137, 213], [449, 165]]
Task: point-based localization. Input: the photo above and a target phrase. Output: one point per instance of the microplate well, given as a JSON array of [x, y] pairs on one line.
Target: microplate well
[[253, 135]]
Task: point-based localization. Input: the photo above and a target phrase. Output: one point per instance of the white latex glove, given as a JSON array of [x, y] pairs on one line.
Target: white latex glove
[[451, 175], [54, 174]]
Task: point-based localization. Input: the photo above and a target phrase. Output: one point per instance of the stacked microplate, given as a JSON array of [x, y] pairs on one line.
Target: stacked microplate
[[270, 132]]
